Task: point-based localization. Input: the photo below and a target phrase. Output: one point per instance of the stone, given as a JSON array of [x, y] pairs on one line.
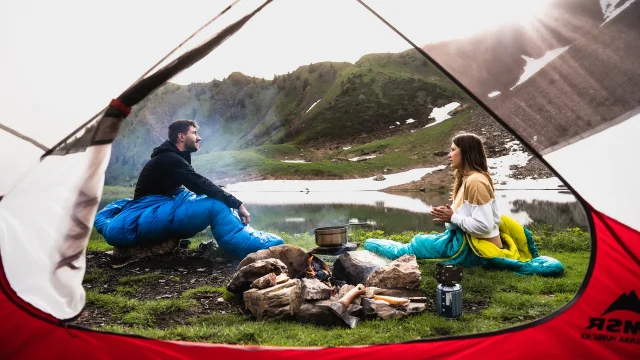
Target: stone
[[317, 312], [378, 308], [210, 250], [414, 308], [264, 282], [354, 267], [243, 278], [402, 273], [294, 257], [314, 289], [278, 302], [379, 177]]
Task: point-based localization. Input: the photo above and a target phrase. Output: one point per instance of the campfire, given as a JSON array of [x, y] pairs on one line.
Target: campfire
[[318, 269], [287, 282]]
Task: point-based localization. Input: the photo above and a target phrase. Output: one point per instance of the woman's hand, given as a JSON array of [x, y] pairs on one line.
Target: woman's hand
[[442, 213]]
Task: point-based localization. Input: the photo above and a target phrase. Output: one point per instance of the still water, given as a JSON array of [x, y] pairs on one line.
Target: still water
[[301, 212]]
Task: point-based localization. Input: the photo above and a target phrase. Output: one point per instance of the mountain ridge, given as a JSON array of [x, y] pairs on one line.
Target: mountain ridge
[[354, 103]]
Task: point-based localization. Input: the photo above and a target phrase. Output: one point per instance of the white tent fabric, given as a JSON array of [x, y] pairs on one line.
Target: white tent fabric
[[610, 180], [45, 222]]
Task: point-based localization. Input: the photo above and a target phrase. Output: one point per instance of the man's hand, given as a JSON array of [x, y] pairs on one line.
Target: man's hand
[[245, 217], [442, 213]]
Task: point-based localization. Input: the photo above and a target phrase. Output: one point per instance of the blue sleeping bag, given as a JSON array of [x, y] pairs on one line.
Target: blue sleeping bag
[[129, 222]]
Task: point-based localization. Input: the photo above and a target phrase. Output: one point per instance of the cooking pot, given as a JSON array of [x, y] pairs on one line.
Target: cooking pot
[[333, 235]]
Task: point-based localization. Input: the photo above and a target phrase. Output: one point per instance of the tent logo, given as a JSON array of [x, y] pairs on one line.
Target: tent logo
[[611, 327], [625, 302]]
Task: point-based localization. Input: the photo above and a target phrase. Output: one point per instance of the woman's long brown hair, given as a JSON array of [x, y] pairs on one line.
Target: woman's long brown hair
[[473, 159]]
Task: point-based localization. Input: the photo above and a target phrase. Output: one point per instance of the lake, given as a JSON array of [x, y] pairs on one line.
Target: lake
[[302, 211]]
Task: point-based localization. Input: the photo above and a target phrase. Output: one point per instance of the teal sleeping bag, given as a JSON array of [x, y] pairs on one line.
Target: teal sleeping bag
[[152, 218], [519, 252]]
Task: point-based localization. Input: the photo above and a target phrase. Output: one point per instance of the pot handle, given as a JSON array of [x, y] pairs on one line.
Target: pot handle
[[360, 224]]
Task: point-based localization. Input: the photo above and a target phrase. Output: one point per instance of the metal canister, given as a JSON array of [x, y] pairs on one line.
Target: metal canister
[[449, 300]]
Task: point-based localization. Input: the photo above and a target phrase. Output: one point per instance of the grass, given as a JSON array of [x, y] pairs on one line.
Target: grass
[[206, 290], [97, 275], [502, 299], [97, 242], [136, 312], [510, 301], [118, 192], [130, 285]]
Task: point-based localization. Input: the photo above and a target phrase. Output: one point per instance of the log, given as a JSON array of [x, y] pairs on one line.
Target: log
[[277, 302]]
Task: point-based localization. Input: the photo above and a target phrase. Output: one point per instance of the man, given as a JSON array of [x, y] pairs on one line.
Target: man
[[170, 168], [162, 211]]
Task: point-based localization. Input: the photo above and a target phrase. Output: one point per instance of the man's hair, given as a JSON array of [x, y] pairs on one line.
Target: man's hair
[[180, 127]]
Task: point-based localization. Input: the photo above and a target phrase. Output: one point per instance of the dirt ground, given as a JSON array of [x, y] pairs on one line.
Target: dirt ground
[[171, 276]]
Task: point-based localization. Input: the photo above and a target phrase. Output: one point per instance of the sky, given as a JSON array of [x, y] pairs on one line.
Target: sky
[[63, 61]]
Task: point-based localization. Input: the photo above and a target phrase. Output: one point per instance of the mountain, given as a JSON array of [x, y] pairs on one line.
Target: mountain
[[316, 106]]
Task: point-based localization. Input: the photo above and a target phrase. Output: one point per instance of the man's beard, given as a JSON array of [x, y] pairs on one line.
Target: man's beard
[[191, 146]]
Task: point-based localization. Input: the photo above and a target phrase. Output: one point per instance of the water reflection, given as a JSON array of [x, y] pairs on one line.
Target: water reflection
[[407, 211], [301, 212]]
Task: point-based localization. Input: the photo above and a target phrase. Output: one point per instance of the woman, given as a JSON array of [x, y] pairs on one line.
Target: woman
[[475, 230], [474, 208]]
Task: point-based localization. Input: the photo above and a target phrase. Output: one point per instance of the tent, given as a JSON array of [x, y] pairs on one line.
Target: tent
[[578, 112]]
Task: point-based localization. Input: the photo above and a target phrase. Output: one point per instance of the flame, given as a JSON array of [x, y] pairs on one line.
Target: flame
[[310, 271]]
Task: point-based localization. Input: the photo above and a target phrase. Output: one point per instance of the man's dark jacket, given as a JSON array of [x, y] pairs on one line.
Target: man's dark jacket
[[169, 169]]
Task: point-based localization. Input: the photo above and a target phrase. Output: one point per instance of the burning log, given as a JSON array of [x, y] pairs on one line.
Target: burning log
[[318, 269]]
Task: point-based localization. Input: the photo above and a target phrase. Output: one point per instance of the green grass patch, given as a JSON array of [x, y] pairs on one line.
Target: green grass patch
[[97, 242], [136, 312], [206, 290], [139, 279], [550, 239], [199, 291], [119, 192], [279, 151], [95, 275], [304, 240], [130, 285]]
